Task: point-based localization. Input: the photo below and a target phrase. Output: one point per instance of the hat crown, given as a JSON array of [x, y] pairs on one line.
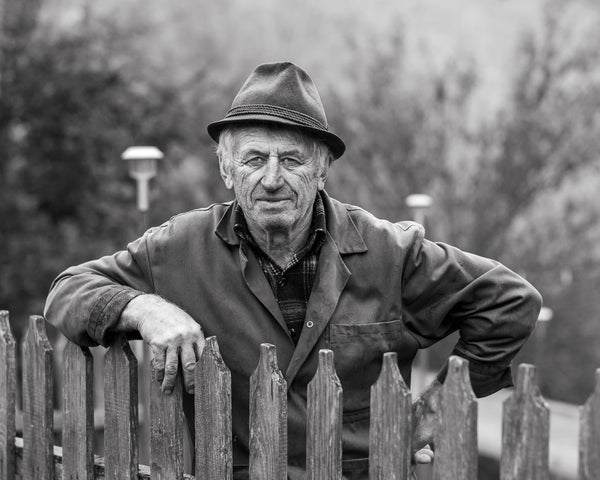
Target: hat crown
[[284, 87], [283, 94]]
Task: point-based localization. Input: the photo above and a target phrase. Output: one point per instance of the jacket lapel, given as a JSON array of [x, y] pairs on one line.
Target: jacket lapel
[[330, 280], [259, 286]]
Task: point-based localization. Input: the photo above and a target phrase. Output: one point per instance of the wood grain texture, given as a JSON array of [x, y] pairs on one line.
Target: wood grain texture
[[78, 413], [38, 462], [391, 424], [589, 435], [268, 418], [324, 429], [8, 388], [525, 430], [121, 411], [214, 453], [166, 431], [456, 430], [99, 465]]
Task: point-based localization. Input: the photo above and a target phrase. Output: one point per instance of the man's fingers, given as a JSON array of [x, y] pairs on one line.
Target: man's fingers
[[171, 364], [188, 361], [424, 455], [199, 347], [158, 361]]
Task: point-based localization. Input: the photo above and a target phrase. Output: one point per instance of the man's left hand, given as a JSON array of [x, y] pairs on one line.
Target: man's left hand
[[425, 412]]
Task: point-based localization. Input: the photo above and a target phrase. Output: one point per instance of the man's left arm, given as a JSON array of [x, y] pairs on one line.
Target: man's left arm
[[493, 309]]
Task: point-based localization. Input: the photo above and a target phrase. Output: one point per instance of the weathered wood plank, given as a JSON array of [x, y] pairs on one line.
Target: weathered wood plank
[[121, 411], [589, 435], [38, 463], [391, 424], [166, 431], [456, 430], [99, 470], [8, 388], [525, 430], [78, 413], [268, 418], [214, 455], [324, 429]]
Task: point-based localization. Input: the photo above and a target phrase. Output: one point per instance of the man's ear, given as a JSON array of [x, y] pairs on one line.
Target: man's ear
[[322, 179], [224, 168]]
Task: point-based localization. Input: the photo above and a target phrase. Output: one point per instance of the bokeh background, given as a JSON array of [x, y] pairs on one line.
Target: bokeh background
[[491, 107]]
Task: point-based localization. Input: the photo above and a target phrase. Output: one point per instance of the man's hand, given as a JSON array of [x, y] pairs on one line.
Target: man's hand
[[425, 411], [172, 335]]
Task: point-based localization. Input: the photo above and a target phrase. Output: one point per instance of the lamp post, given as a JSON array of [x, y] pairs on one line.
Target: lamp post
[[419, 203], [541, 329], [142, 163]]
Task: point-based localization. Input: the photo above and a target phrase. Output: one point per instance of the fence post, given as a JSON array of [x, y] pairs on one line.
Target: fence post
[[78, 413], [324, 432], [525, 430], [38, 459], [391, 424], [166, 431], [268, 418], [589, 435], [456, 430], [8, 388], [121, 412], [214, 457]]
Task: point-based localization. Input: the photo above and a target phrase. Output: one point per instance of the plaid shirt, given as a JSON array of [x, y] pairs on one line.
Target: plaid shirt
[[291, 285]]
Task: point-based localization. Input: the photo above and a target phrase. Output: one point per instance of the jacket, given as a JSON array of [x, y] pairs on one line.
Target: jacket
[[379, 287]]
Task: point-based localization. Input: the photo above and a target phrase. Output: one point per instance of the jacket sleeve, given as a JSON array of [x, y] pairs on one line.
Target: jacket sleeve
[[493, 309], [86, 300]]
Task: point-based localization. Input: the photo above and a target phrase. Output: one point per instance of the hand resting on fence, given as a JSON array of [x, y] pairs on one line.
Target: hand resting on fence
[[425, 417], [172, 334]]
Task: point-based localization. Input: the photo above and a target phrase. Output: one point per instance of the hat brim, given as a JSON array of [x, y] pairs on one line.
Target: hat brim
[[335, 143]]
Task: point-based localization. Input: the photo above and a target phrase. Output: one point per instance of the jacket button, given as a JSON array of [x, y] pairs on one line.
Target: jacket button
[[309, 324]]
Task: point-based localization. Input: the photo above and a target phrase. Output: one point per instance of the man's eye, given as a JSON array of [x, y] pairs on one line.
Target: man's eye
[[290, 161], [254, 161]]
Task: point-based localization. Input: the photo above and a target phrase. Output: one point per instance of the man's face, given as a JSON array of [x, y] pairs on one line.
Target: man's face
[[275, 174]]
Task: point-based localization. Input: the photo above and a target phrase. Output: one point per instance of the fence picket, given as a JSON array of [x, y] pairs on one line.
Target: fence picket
[[121, 412], [268, 418], [38, 459], [324, 422], [8, 388], [214, 457], [589, 435], [391, 424], [166, 431], [78, 413], [456, 431], [525, 430]]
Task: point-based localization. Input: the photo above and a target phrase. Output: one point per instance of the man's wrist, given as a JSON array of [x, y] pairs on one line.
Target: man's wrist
[[133, 314]]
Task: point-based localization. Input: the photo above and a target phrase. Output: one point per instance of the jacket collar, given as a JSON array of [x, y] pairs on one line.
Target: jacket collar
[[340, 226]]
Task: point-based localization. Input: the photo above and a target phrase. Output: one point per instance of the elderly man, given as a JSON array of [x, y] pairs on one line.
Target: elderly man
[[286, 264]]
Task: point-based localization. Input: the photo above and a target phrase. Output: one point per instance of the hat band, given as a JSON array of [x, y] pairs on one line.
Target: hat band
[[275, 111]]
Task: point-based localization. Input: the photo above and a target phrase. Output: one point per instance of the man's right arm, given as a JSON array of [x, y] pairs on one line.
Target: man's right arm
[[92, 302]]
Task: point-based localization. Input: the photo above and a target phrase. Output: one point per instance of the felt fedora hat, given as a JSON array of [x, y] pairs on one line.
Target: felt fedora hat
[[284, 94]]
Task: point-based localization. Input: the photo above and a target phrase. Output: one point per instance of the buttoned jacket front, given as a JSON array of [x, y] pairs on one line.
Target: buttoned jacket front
[[379, 287]]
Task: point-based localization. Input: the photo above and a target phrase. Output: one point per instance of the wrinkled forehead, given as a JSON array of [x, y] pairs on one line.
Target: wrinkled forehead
[[267, 136]]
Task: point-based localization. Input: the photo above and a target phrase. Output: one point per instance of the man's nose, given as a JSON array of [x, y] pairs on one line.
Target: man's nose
[[272, 179]]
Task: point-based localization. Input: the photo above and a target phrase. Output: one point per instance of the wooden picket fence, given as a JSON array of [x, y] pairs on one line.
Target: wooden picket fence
[[525, 432]]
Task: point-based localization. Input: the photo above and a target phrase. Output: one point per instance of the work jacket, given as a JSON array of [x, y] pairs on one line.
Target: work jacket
[[379, 287]]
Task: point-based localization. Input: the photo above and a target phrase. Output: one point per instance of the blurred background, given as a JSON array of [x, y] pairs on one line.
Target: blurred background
[[490, 107]]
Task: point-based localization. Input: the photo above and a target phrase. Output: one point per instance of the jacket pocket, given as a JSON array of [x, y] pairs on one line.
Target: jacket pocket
[[358, 354]]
